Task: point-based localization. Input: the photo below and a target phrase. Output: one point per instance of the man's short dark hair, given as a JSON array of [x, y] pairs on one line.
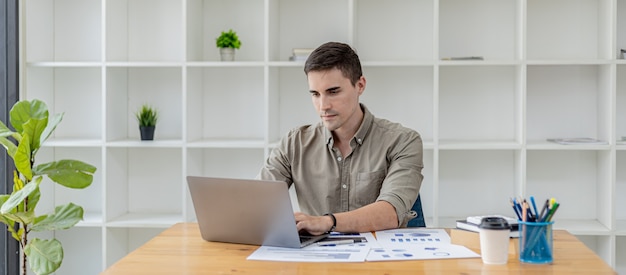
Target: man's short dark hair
[[332, 55]]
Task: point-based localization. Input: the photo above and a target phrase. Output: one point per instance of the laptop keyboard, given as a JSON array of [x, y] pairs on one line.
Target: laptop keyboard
[[304, 238]]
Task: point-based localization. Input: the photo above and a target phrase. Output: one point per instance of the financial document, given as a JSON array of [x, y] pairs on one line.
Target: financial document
[[330, 249], [388, 245]]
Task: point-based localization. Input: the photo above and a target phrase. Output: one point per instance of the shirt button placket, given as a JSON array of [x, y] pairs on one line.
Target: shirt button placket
[[345, 191]]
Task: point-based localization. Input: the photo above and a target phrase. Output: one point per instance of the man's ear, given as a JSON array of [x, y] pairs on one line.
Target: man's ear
[[360, 85]]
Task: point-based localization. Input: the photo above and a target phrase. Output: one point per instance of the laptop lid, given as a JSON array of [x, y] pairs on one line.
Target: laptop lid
[[246, 211]]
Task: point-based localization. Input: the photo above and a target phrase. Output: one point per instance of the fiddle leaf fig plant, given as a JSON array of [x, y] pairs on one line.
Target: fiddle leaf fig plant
[[33, 126]]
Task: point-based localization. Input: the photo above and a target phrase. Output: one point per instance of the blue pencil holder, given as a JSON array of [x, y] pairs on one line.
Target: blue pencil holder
[[535, 242]]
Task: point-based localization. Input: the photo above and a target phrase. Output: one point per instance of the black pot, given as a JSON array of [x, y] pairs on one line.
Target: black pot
[[147, 132]]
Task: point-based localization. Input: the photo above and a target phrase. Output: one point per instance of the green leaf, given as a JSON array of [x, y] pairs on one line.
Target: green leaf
[[24, 110], [22, 158], [64, 217], [69, 173], [4, 198], [33, 128], [19, 196], [6, 132], [21, 217], [18, 184], [33, 200], [7, 144], [4, 219], [52, 125], [44, 256], [17, 235]]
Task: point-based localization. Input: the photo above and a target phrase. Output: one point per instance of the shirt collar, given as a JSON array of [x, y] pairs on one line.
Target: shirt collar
[[359, 137]]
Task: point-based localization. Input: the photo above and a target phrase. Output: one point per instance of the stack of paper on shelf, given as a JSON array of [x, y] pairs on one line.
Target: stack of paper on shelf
[[572, 141]]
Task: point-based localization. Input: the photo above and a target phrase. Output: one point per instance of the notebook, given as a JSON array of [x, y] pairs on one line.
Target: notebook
[[246, 211]]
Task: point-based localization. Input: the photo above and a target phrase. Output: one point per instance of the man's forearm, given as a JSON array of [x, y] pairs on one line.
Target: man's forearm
[[379, 215]]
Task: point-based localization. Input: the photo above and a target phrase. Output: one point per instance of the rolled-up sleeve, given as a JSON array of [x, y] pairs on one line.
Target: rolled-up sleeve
[[404, 177]]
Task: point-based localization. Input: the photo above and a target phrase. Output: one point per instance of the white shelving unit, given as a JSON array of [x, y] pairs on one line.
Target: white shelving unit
[[550, 69]]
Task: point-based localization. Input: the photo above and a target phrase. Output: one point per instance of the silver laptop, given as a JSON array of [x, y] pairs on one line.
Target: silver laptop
[[246, 211]]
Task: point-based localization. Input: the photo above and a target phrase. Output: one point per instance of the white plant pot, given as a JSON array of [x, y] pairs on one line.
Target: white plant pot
[[227, 54]]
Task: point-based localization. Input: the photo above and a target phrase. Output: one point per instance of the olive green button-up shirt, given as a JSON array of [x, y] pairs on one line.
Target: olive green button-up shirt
[[385, 164]]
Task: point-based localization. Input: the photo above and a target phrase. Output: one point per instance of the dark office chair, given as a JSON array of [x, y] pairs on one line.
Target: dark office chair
[[418, 221]]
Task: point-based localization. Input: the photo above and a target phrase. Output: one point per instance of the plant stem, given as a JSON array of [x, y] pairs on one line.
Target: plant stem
[[24, 240]]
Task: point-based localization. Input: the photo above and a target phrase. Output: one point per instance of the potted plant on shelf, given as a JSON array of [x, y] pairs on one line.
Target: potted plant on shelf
[[227, 42], [147, 118], [17, 211]]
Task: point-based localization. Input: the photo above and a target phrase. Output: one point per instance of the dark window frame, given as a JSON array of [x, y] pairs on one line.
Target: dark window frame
[[9, 94]]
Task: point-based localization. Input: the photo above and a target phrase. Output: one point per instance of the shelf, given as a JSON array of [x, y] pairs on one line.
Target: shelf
[[581, 227], [478, 103], [225, 162], [148, 220], [574, 34], [143, 64], [546, 145], [469, 174], [53, 34], [620, 253], [53, 64], [207, 19], [398, 15], [578, 113], [69, 142], [399, 63], [479, 145], [570, 62], [221, 64], [76, 254], [620, 227], [488, 29], [91, 219], [297, 24], [140, 31], [137, 143], [226, 143]]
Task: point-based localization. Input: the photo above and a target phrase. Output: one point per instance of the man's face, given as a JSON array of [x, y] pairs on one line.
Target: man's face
[[334, 98]]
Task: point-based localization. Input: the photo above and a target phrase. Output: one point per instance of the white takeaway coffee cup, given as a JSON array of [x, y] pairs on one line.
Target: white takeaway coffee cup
[[494, 240]]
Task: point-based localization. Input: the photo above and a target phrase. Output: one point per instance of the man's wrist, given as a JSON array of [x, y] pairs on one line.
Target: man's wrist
[[334, 220]]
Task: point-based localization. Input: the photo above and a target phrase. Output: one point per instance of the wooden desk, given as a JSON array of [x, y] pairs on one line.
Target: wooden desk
[[181, 250]]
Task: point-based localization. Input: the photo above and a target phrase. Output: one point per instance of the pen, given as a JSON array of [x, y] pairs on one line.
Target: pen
[[519, 217], [519, 207], [334, 243], [529, 213], [543, 210], [551, 213], [532, 201]]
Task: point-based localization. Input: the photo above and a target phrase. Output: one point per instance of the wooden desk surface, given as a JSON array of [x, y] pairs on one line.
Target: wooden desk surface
[[181, 250]]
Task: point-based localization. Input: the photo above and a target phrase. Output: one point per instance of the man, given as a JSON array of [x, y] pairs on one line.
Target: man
[[352, 172]]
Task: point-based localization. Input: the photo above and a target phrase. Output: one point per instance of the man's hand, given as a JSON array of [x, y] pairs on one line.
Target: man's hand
[[315, 225], [376, 216]]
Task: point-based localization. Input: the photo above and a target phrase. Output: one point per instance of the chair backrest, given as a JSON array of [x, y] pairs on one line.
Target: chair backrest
[[418, 221]]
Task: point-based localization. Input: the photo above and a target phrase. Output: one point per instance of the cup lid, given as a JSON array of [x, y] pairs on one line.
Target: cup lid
[[494, 223]]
